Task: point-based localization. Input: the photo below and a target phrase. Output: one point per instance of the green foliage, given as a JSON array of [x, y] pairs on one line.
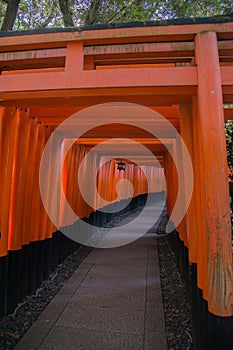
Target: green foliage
[[38, 14], [190, 8], [229, 142], [50, 13], [2, 11], [113, 11]]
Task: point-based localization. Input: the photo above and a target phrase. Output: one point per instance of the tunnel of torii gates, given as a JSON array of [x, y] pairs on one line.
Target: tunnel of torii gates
[[183, 71]]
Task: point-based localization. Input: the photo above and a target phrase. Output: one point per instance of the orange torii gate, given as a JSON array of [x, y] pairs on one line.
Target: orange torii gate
[[184, 71]]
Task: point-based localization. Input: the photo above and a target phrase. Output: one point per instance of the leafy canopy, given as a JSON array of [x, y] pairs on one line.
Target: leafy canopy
[[58, 13]]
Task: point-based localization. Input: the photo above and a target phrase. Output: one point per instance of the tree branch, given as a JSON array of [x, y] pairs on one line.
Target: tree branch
[[91, 16], [115, 15], [121, 11], [66, 13]]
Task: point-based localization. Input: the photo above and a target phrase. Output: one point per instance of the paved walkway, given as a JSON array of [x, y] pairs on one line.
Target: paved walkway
[[113, 301]]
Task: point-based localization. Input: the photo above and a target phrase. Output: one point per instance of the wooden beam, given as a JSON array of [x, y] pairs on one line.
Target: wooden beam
[[25, 59], [146, 50], [54, 114], [228, 114], [64, 112], [23, 100], [68, 82], [56, 56], [141, 49], [225, 47], [144, 141], [174, 76], [144, 61], [134, 34]]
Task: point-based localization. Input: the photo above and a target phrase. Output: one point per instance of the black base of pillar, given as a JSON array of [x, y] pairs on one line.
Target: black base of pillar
[[32, 268], [3, 285], [220, 332], [13, 277], [210, 332], [22, 271]]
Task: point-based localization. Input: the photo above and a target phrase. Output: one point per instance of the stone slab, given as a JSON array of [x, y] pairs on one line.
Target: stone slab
[[118, 320], [107, 298], [61, 338], [35, 335]]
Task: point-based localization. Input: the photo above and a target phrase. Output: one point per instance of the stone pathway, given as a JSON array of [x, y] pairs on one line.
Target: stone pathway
[[112, 301]]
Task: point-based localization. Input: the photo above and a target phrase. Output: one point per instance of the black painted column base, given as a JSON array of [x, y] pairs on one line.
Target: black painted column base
[[22, 271], [3, 285], [210, 332]]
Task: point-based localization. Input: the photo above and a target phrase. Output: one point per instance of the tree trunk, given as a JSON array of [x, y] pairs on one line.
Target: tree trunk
[[66, 14], [91, 17], [10, 15]]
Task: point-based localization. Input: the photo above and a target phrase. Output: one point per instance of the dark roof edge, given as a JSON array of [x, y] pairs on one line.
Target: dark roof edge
[[177, 21]]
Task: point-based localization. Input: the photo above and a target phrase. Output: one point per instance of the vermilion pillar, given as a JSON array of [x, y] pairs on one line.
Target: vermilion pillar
[[168, 176], [216, 193], [171, 181], [182, 226], [202, 280], [74, 57], [186, 132]]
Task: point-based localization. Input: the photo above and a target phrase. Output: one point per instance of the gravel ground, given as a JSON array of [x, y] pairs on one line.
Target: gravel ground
[[14, 326], [176, 306]]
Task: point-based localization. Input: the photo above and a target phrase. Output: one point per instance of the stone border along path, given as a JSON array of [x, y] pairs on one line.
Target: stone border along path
[[112, 301]]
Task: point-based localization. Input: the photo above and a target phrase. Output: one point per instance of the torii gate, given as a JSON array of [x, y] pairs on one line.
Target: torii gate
[[182, 70]]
